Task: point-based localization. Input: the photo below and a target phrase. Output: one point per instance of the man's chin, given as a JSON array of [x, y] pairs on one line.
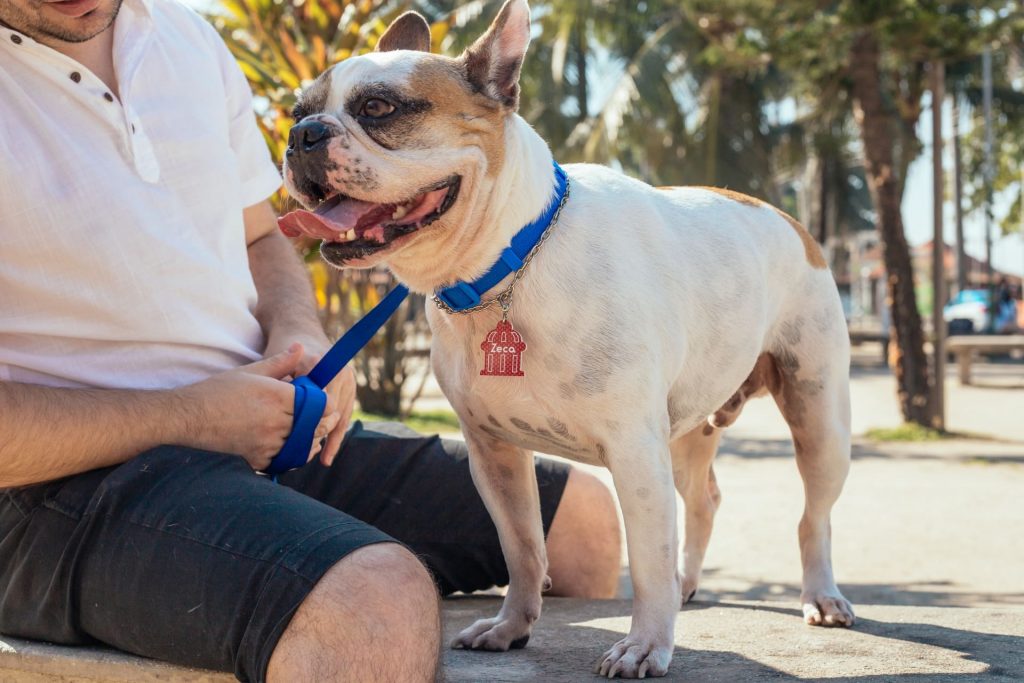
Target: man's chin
[[53, 25]]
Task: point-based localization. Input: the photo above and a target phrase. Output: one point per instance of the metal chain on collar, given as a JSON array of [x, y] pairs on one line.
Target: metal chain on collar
[[505, 298]]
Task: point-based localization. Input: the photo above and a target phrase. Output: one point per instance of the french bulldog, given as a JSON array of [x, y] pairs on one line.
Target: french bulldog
[[650, 316]]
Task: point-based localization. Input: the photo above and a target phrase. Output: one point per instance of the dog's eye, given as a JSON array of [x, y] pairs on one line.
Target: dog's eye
[[376, 108]]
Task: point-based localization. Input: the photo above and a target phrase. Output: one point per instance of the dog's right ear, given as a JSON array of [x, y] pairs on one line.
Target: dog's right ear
[[408, 32], [493, 62]]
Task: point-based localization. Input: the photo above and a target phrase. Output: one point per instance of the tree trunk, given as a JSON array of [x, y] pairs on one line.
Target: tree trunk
[[582, 94], [877, 126], [958, 192]]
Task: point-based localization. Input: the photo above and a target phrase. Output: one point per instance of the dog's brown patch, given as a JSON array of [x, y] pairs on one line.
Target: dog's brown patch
[[745, 199], [474, 118], [812, 250]]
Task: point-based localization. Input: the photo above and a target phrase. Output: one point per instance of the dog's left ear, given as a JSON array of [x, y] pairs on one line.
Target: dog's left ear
[[493, 62], [408, 32]]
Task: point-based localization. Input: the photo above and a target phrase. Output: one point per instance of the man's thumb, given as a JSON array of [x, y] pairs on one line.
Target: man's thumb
[[279, 365]]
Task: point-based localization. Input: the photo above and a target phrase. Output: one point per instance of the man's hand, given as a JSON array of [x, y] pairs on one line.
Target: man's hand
[[341, 397], [287, 313], [249, 410]]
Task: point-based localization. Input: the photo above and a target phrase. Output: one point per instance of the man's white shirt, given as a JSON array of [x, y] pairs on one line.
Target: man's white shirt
[[123, 261]]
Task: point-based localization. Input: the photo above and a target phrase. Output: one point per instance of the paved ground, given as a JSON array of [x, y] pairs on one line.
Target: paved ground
[[733, 641], [928, 544]]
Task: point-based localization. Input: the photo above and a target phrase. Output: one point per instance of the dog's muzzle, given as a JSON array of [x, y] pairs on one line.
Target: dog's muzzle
[[308, 159], [307, 137]]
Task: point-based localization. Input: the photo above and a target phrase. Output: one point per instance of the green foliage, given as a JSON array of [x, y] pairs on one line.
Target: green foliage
[[423, 421], [1008, 133], [908, 432]]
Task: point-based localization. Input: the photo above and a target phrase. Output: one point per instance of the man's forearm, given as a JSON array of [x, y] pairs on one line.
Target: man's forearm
[[286, 309], [48, 433]]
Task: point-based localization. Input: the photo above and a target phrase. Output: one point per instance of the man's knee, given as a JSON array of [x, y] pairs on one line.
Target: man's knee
[[374, 614], [585, 542]]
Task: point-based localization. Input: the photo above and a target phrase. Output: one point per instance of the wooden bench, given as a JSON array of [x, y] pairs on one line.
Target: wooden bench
[[859, 336], [965, 347]]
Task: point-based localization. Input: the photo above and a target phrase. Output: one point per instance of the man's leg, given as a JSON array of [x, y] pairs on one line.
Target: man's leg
[[418, 489], [585, 542], [190, 557], [373, 616]]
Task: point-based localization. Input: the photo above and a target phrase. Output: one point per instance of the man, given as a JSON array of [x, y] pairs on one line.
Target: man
[[146, 298]]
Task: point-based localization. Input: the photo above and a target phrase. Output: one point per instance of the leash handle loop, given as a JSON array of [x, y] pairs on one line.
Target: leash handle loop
[[310, 399]]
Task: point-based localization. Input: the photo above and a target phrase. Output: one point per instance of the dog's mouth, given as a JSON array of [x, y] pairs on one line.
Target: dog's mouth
[[353, 229]]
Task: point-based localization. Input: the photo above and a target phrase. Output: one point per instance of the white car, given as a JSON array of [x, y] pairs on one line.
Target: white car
[[970, 305]]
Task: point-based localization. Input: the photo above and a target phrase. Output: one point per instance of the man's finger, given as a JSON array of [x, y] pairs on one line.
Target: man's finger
[[332, 404], [279, 365], [327, 424], [330, 451]]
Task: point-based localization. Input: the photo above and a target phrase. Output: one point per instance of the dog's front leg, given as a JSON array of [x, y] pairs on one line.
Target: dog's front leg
[[642, 470], [507, 481]]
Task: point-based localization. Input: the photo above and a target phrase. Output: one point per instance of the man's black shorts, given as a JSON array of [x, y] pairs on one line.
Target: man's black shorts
[[190, 557]]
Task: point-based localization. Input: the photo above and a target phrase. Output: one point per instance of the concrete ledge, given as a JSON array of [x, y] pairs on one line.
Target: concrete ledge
[[23, 661], [717, 642]]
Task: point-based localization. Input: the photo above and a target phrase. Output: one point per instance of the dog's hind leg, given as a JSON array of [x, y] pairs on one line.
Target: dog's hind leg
[[692, 470], [813, 393]]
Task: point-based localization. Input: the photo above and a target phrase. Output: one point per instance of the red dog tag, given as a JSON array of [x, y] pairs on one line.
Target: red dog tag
[[503, 351]]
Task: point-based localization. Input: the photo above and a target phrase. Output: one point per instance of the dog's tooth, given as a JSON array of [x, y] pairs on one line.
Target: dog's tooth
[[400, 212], [350, 235]]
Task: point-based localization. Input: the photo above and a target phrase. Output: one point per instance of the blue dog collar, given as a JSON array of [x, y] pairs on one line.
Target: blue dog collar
[[464, 295]]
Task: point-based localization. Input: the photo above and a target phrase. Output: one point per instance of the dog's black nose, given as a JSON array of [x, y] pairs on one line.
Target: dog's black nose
[[308, 136]]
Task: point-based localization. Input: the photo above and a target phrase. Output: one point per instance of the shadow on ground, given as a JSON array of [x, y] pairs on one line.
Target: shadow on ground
[[754, 641], [919, 594], [952, 450]]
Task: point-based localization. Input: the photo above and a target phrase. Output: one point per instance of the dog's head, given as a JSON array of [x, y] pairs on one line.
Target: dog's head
[[393, 152]]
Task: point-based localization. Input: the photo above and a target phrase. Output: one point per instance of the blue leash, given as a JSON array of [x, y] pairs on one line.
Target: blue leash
[[310, 399]]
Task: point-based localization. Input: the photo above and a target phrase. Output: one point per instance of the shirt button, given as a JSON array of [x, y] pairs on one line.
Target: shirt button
[[76, 77], [108, 97], [16, 39]]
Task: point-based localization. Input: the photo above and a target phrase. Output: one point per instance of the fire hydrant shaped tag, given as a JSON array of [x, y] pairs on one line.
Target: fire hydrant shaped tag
[[503, 352]]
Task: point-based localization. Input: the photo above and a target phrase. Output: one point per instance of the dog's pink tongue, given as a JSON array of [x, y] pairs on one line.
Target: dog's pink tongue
[[336, 219]]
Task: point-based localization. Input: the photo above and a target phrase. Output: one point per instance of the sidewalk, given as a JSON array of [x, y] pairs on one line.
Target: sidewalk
[[928, 543], [742, 641]]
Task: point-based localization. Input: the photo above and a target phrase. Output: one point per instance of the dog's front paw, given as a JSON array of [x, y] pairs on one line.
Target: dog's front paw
[[497, 635], [827, 608], [633, 658]]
